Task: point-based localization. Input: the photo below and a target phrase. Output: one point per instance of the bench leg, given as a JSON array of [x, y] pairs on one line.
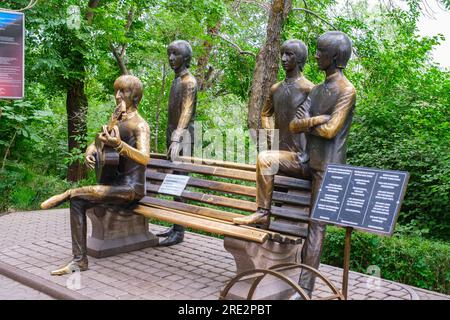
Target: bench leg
[[250, 255], [114, 232]]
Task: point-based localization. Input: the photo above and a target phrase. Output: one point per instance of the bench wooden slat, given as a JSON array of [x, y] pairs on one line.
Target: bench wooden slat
[[233, 188], [191, 221], [191, 208], [233, 203], [227, 173], [288, 228], [301, 214], [224, 216]]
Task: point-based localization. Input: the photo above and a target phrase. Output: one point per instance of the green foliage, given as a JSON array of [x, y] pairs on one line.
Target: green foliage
[[401, 119], [23, 188], [402, 115], [411, 260]]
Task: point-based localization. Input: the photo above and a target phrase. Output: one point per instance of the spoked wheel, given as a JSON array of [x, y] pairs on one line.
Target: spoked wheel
[[276, 272]]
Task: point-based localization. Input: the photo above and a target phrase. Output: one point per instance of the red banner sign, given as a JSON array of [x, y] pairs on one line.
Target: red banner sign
[[12, 31]]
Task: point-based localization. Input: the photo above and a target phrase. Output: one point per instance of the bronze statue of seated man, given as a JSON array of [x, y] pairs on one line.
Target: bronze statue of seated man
[[334, 99], [130, 138], [287, 98]]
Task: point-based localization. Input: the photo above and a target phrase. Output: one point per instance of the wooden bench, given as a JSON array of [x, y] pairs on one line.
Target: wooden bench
[[216, 193], [213, 202]]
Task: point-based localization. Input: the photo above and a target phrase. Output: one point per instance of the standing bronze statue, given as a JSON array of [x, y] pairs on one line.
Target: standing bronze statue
[[285, 100], [181, 115], [333, 101], [131, 139]]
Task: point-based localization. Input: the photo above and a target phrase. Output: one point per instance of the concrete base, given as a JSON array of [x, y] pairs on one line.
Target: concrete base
[[115, 232], [251, 255]]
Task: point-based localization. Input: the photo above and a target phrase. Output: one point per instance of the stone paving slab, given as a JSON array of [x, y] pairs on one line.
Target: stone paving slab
[[198, 268], [13, 290]]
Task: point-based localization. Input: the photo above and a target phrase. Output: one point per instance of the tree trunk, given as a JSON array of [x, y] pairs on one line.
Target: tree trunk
[[90, 14], [266, 67], [202, 71], [158, 105], [76, 108], [76, 105]]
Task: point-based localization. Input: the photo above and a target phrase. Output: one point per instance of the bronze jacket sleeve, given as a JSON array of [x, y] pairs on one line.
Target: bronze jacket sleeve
[[344, 104], [140, 154], [267, 112], [187, 109]]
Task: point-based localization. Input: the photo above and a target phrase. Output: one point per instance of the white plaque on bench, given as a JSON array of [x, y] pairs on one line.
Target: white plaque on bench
[[173, 184]]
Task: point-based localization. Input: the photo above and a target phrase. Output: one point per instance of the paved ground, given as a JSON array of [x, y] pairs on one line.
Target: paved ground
[[12, 290], [39, 241]]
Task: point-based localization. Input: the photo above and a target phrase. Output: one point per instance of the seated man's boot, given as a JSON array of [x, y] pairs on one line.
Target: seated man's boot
[[175, 235], [55, 200], [166, 232], [71, 267], [260, 218]]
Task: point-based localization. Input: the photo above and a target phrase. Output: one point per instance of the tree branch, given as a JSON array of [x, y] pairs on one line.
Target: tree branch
[[262, 5], [119, 60], [30, 5], [121, 55], [129, 20], [233, 44], [316, 15]]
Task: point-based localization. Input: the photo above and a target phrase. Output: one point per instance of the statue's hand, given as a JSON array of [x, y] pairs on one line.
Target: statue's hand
[[110, 140], [299, 125], [320, 120], [91, 151], [174, 151], [305, 125]]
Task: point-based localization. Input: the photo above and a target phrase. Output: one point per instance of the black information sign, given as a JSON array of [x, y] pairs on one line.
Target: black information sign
[[361, 198]]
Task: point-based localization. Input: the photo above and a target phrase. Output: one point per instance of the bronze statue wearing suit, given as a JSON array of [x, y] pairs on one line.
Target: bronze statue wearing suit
[[132, 142], [285, 100], [332, 101], [181, 115]]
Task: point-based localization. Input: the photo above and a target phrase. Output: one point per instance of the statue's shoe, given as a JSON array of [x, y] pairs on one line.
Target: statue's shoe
[[173, 238], [166, 232], [70, 268], [260, 217], [55, 200]]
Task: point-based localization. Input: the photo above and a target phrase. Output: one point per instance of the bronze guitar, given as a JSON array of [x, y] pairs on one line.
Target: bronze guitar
[[107, 158]]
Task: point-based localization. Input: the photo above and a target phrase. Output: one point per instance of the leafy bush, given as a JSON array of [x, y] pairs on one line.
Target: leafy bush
[[410, 260], [24, 189]]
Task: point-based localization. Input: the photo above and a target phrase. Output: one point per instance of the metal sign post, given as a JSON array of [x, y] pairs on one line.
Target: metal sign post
[[348, 236]]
